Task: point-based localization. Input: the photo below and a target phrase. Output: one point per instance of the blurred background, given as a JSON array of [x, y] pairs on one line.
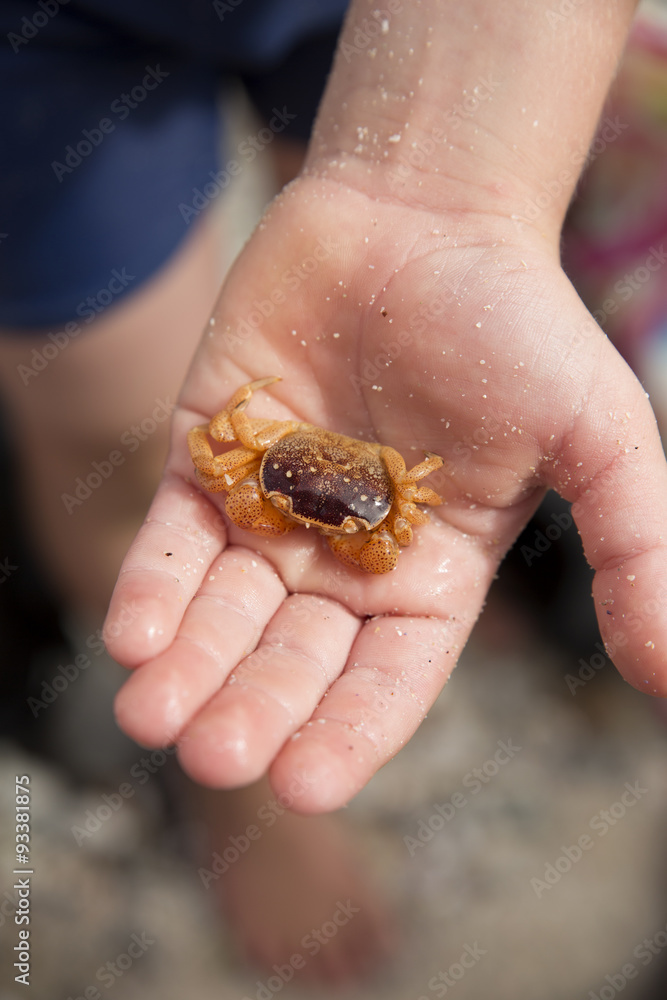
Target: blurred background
[[500, 875]]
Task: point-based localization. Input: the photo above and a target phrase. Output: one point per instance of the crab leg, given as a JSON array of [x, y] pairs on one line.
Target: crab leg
[[373, 552], [397, 469], [222, 484], [204, 460], [426, 495], [242, 396], [249, 509], [231, 424]]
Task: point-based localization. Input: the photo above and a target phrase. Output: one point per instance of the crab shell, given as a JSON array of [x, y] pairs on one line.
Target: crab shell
[[334, 483]]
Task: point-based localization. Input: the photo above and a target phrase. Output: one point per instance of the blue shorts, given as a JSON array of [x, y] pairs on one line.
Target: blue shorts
[[110, 130]]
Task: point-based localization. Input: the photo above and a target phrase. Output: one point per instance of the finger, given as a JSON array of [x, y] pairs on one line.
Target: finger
[[181, 536], [222, 625], [183, 533], [613, 469], [397, 668], [270, 694]]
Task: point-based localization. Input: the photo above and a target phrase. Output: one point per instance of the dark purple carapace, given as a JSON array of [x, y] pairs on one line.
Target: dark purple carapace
[[328, 478]]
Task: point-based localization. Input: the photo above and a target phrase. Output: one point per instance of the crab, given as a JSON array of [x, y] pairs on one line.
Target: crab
[[358, 494]]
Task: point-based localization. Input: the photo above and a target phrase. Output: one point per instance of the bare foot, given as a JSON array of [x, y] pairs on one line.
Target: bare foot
[[291, 887]]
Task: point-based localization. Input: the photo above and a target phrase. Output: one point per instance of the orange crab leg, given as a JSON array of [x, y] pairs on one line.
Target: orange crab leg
[[231, 424], [242, 396], [398, 471], [372, 552], [202, 456], [426, 495], [226, 483], [247, 507]]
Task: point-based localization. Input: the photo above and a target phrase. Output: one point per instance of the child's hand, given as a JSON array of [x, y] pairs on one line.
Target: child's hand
[[460, 338]]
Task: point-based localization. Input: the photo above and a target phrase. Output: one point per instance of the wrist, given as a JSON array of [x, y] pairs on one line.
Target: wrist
[[468, 107]]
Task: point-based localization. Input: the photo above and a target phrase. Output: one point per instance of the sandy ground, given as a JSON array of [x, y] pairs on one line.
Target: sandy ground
[[521, 770]]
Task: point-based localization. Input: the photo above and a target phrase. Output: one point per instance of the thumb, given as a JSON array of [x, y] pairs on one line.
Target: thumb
[[611, 465]]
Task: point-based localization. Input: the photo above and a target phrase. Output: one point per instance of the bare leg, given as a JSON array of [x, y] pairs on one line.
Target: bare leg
[[289, 885], [108, 391], [122, 371]]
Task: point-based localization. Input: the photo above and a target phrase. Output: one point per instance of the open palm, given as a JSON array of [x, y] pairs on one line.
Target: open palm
[[425, 333]]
